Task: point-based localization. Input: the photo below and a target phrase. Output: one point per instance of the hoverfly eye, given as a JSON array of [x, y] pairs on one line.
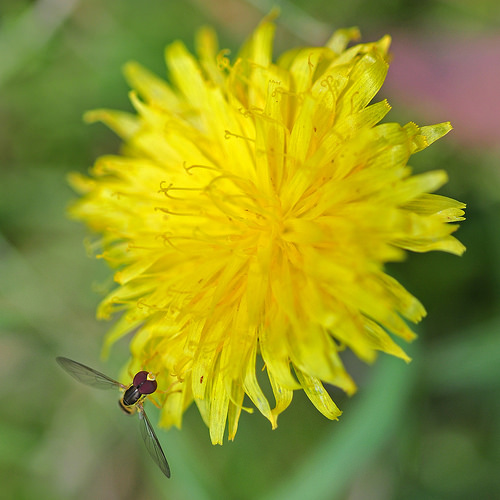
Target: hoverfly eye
[[148, 387], [140, 378]]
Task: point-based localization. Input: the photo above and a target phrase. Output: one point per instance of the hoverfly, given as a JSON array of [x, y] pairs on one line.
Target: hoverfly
[[132, 400]]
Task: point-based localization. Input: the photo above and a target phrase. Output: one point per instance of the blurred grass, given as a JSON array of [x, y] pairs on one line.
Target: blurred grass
[[430, 430]]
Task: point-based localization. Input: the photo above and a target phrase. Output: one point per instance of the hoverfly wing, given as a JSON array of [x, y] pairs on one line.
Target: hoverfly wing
[[87, 375], [151, 441]]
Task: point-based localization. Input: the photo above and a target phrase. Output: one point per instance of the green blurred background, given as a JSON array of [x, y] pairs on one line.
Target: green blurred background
[[429, 430]]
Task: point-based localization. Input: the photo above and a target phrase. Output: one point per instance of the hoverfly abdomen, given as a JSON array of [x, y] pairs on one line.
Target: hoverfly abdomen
[[129, 410]]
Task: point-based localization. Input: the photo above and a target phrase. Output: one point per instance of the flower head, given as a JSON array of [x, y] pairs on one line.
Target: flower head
[[250, 216]]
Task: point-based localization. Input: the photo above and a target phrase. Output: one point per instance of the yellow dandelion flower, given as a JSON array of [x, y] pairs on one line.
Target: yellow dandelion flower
[[250, 217]]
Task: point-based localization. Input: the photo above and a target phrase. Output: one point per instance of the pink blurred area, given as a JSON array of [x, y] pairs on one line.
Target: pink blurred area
[[454, 79]]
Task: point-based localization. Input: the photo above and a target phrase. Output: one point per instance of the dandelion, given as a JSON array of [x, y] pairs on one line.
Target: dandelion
[[249, 219]]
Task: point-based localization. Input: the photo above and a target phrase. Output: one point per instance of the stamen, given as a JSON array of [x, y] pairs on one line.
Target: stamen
[[184, 214], [330, 83], [171, 187], [206, 167], [223, 62], [228, 134]]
